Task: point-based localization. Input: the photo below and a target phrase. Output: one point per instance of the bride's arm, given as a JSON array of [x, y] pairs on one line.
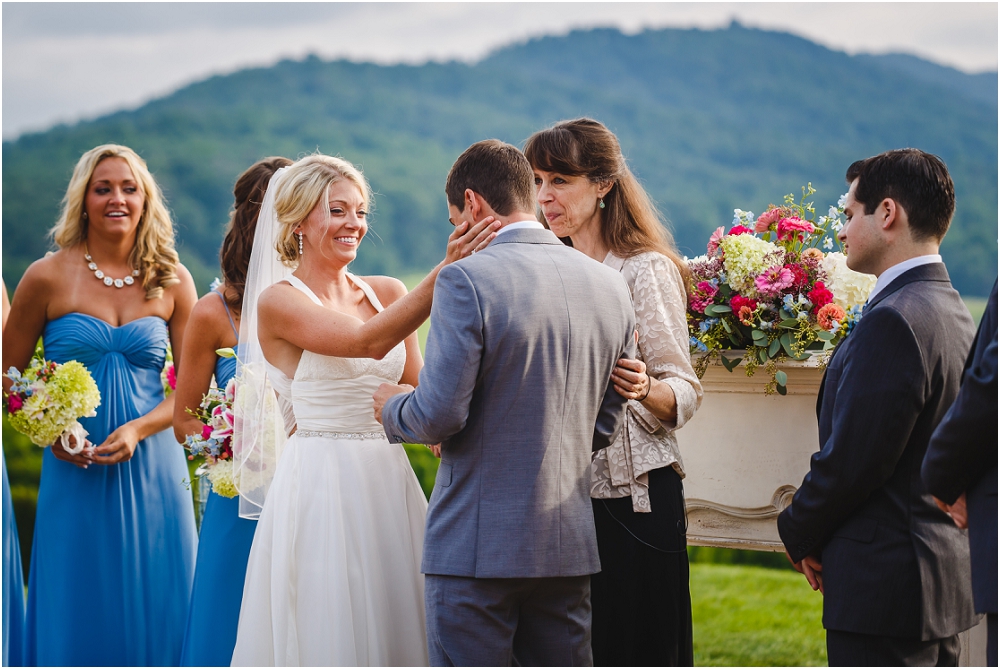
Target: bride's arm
[[287, 314]]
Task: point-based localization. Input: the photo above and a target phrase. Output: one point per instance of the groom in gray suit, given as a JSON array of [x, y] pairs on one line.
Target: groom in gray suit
[[524, 337]]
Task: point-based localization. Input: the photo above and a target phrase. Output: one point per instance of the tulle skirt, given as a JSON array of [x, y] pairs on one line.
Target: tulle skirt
[[334, 571]]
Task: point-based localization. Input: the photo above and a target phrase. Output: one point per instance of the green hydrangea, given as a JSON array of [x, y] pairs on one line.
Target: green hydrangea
[[70, 393], [745, 258], [220, 474]]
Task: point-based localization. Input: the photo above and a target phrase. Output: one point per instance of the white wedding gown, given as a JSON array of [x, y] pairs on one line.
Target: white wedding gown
[[334, 572]]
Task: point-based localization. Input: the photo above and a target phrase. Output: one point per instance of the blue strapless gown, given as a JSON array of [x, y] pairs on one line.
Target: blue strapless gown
[[223, 551], [114, 547], [13, 583]]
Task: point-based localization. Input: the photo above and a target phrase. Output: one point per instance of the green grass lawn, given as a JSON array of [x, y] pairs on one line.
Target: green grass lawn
[[754, 616]]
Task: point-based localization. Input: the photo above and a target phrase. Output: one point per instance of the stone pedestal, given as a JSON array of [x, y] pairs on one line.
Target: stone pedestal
[[745, 454]]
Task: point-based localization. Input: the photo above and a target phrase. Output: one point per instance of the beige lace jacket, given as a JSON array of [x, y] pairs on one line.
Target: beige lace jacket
[[646, 443]]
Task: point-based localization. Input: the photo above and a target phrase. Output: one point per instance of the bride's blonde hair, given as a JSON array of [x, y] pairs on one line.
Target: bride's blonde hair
[[154, 254], [301, 188]]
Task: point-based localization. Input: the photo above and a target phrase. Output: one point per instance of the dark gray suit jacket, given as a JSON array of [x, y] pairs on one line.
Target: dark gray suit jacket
[[962, 456], [524, 337], [893, 563]]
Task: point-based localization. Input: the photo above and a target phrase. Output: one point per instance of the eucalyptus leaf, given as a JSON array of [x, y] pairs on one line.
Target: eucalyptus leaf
[[762, 355], [781, 378], [782, 390], [786, 343], [773, 349], [789, 324], [825, 336], [726, 326]]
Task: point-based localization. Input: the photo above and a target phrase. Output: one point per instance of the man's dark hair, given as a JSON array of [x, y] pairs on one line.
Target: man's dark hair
[[919, 183], [496, 171]]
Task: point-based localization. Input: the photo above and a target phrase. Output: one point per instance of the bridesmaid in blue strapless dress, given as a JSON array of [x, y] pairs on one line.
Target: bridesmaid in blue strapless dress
[[113, 554], [225, 538], [13, 583], [13, 577], [112, 558]]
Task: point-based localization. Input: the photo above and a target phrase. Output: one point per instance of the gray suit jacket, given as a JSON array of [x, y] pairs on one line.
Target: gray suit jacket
[[524, 337], [893, 563]]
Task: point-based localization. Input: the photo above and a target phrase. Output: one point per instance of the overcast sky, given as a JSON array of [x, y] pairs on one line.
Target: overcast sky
[[66, 61]]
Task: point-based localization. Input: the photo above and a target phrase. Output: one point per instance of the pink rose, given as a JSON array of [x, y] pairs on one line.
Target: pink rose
[[172, 377], [206, 432], [14, 403], [740, 230], [713, 241]]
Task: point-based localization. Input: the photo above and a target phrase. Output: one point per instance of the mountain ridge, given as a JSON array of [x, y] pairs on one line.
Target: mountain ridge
[[709, 121]]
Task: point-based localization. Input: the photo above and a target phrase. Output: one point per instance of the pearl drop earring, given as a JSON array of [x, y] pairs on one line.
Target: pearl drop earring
[[300, 244]]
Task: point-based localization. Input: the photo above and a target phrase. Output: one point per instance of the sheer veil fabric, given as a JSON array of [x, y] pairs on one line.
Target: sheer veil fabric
[[260, 429]]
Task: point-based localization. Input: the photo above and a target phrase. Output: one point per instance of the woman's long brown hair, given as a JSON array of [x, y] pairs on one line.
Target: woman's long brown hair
[[248, 194]]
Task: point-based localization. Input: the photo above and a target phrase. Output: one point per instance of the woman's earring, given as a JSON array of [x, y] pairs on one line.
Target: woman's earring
[[600, 203], [300, 244], [85, 216]]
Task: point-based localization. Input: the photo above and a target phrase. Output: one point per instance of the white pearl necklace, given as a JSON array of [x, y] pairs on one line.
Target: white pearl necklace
[[108, 281]]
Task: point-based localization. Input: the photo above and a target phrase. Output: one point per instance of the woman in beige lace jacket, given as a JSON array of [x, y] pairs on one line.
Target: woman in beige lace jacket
[[641, 601]]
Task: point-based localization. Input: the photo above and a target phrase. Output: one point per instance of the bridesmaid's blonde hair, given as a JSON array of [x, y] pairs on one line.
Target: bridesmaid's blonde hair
[[154, 254], [300, 188]]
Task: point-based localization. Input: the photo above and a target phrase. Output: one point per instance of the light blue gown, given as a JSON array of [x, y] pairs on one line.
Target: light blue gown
[[114, 546], [223, 551], [13, 583]]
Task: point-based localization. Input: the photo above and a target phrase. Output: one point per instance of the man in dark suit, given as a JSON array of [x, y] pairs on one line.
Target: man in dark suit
[[893, 567], [960, 467]]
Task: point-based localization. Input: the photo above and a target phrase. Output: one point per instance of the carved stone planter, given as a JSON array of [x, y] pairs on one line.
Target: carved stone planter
[[745, 453]]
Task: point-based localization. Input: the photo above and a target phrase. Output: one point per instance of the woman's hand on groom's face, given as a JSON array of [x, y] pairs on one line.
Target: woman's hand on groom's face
[[466, 240]]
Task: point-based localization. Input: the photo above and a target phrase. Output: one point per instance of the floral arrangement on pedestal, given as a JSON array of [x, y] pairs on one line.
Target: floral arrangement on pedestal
[[767, 287], [47, 400], [215, 443]]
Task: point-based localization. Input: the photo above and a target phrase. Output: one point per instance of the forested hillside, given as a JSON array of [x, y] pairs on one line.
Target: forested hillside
[[709, 120]]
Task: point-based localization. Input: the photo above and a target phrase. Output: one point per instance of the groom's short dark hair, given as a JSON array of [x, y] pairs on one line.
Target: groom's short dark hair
[[918, 181], [498, 172]]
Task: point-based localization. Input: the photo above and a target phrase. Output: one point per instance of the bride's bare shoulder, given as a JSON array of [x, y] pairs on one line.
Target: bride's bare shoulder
[[278, 297], [388, 289]]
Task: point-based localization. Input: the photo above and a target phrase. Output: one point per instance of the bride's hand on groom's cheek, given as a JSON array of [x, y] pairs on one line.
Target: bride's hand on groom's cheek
[[384, 392], [466, 240]]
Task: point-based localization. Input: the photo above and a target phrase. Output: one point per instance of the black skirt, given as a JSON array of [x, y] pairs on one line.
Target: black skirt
[[641, 599]]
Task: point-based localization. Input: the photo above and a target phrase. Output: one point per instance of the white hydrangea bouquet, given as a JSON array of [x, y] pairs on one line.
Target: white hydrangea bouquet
[[215, 443], [767, 287], [46, 402]]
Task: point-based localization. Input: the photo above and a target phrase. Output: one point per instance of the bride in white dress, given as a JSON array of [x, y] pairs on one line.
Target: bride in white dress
[[334, 572]]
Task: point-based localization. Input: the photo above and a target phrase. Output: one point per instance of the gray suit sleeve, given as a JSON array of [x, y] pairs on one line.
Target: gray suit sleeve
[[439, 407], [611, 416]]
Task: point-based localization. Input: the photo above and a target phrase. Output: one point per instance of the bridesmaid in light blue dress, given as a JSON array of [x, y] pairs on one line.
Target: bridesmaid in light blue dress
[[114, 544], [225, 538], [13, 576], [13, 584]]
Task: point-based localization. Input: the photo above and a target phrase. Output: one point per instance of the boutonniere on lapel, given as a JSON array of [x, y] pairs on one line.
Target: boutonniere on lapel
[[772, 287]]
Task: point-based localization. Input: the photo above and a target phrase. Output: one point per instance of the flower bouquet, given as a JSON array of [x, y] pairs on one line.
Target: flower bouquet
[[46, 401], [215, 443], [767, 287]]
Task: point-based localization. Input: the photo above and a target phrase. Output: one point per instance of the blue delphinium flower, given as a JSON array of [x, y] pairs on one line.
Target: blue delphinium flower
[[696, 343]]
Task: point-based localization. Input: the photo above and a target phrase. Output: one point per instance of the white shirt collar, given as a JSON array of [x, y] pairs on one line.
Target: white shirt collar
[[890, 274], [520, 225]]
